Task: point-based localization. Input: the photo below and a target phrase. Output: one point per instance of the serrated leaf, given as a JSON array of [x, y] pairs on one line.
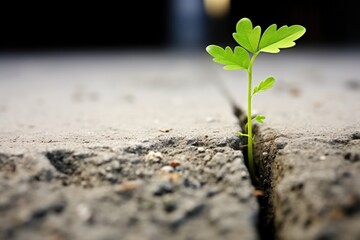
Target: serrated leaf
[[259, 118], [272, 39], [233, 60], [264, 85], [247, 36]]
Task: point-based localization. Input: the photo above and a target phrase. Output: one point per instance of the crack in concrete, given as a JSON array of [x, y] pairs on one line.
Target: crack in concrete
[[265, 224]]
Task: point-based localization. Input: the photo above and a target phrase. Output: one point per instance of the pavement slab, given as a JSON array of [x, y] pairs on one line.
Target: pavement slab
[[309, 146], [119, 146]]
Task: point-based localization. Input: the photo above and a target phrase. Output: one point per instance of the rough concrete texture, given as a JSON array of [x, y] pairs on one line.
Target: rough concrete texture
[[144, 146], [119, 146], [310, 143]]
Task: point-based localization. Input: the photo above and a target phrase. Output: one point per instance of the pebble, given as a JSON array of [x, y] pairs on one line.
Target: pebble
[[115, 165], [167, 169], [84, 212], [165, 130], [280, 143], [201, 149], [174, 163], [110, 177], [154, 156], [207, 157], [244, 175]]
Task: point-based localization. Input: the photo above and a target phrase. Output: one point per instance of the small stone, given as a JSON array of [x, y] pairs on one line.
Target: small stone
[[167, 169], [265, 153], [280, 143], [201, 149], [174, 163], [165, 130], [115, 165], [110, 177], [84, 212], [244, 175], [154, 156], [322, 157]]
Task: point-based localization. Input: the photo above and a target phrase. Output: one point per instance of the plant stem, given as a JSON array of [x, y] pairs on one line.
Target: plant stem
[[249, 119]]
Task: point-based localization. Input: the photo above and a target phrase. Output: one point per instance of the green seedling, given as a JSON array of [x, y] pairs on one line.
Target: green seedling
[[242, 57]]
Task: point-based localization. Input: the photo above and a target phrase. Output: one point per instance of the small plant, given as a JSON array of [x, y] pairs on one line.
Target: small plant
[[242, 57]]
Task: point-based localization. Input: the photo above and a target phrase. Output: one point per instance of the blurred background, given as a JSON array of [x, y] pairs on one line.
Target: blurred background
[[167, 24]]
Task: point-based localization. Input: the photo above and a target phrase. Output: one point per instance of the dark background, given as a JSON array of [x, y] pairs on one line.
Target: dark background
[[131, 25]]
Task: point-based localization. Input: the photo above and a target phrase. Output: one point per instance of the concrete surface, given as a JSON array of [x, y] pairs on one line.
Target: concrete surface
[[119, 146], [144, 146], [97, 99], [312, 167]]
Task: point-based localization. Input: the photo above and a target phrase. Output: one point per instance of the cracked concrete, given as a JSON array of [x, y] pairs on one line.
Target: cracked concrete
[[111, 146], [101, 145], [312, 165]]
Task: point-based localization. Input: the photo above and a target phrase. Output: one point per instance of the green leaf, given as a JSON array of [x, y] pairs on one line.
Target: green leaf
[[247, 36], [272, 40], [239, 59], [260, 118], [264, 85]]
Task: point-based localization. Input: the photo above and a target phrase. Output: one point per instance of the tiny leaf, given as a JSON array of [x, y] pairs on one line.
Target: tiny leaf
[[239, 59], [247, 36], [245, 135], [264, 85], [272, 40], [259, 118], [242, 134]]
